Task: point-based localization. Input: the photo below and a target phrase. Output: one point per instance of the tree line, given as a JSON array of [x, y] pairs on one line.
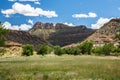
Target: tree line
[[85, 48]]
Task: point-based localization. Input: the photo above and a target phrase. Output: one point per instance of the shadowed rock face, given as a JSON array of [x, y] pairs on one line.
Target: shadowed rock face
[[24, 38], [61, 34]]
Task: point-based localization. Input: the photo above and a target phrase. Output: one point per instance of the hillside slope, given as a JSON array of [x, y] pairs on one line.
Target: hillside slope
[[23, 38], [106, 34], [61, 34]]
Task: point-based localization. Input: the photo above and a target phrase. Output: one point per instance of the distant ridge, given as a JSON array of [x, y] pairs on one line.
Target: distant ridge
[[60, 34]]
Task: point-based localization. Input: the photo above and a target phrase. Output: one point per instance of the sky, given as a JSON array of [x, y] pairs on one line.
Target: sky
[[23, 14]]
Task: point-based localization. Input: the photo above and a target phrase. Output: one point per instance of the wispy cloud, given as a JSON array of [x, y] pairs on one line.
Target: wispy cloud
[[30, 21], [28, 10], [101, 21], [89, 15], [34, 1], [12, 0], [37, 3], [69, 24], [29, 0]]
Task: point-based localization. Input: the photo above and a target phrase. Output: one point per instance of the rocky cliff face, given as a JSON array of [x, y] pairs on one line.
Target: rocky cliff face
[[60, 34], [106, 34], [40, 25]]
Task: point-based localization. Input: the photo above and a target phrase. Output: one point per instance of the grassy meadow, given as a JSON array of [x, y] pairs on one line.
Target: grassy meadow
[[64, 67]]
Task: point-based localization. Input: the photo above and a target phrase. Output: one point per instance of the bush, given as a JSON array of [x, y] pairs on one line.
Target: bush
[[97, 50], [58, 51], [28, 50], [67, 50], [116, 52], [2, 42], [107, 49], [86, 47], [44, 49], [72, 51]]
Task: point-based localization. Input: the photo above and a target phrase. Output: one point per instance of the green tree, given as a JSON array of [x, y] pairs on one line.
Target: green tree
[[72, 51], [28, 50], [3, 32], [86, 47], [107, 49], [44, 49], [58, 51], [97, 50], [117, 36]]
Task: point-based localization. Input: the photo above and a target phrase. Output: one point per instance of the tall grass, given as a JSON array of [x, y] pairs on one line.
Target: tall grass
[[60, 68]]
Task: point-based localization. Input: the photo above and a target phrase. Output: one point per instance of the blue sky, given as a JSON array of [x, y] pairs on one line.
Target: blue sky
[[22, 14]]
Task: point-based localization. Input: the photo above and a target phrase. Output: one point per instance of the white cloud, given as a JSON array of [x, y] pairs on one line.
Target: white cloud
[[69, 24], [8, 12], [28, 10], [89, 15], [12, 0], [100, 23], [29, 0], [7, 25], [30, 21], [37, 2], [23, 27], [34, 1]]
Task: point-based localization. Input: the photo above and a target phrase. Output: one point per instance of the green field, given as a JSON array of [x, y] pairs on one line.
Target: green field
[[60, 68]]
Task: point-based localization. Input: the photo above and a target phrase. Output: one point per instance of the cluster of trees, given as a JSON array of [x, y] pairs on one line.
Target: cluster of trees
[[42, 50], [83, 48], [107, 49]]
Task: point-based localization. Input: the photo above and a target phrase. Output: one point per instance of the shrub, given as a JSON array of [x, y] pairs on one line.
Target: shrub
[[58, 51], [97, 50], [28, 50], [86, 47], [72, 51], [107, 49], [67, 50], [44, 49], [2, 42], [116, 51]]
